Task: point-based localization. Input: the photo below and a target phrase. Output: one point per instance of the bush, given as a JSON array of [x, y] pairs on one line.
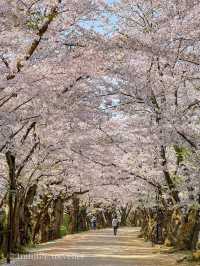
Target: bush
[[1, 254], [64, 228]]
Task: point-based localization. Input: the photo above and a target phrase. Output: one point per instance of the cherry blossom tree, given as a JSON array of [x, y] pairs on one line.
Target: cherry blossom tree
[[109, 117]]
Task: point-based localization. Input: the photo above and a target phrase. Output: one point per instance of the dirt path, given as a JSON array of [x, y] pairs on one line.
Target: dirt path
[[98, 248]]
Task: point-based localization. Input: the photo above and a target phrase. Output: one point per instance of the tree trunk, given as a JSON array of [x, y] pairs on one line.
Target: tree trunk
[[58, 209], [74, 226], [45, 226], [187, 235], [12, 190], [25, 224], [40, 216]]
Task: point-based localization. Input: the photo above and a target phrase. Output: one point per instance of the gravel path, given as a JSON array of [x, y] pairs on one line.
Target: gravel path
[[98, 248]]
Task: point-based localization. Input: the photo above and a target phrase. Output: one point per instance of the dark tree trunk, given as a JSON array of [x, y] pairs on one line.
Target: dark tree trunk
[[58, 209], [83, 223], [74, 225], [45, 226], [40, 216], [25, 224], [12, 190]]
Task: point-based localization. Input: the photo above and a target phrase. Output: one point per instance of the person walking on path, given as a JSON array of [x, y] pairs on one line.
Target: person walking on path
[[94, 222], [115, 224]]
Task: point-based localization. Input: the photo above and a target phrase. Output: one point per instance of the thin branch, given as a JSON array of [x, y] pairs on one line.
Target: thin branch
[[92, 160], [32, 126], [24, 162], [195, 103], [13, 95], [186, 138], [19, 106], [82, 77], [116, 166], [12, 136]]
